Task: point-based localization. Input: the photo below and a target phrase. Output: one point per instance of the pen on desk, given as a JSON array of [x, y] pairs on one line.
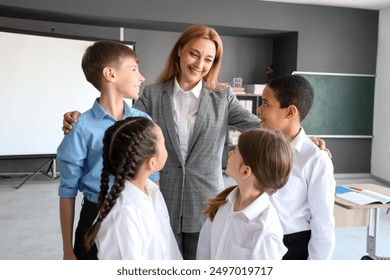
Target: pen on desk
[[356, 189]]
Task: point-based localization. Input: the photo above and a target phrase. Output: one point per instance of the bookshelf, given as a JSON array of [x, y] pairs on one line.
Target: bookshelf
[[250, 102]]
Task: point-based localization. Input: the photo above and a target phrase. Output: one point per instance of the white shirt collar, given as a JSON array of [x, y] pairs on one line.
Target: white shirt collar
[[152, 188], [195, 90], [298, 141], [136, 195], [252, 210]]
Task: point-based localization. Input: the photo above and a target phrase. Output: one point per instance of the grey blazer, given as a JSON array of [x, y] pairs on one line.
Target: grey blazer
[[186, 185]]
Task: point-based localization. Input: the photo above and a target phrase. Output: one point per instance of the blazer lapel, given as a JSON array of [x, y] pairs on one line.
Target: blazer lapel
[[204, 105], [167, 107]]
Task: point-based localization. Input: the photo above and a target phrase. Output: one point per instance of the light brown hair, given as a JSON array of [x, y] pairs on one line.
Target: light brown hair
[[172, 66], [270, 157]]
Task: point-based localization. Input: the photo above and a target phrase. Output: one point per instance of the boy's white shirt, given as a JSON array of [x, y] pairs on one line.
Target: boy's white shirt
[[306, 202]]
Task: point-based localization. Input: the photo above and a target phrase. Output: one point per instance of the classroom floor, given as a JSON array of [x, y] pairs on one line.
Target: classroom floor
[[30, 228]]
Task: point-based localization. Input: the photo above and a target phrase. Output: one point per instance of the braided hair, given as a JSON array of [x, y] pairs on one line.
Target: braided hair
[[126, 146]]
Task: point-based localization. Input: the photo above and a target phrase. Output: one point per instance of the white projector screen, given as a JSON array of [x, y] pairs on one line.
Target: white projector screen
[[40, 79]]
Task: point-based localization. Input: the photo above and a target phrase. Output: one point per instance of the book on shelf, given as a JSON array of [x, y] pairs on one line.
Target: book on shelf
[[360, 196]]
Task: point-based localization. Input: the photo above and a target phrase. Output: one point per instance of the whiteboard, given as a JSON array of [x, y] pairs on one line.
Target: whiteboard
[[40, 79]]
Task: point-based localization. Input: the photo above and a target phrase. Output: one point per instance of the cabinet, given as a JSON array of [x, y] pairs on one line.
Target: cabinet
[[250, 102]]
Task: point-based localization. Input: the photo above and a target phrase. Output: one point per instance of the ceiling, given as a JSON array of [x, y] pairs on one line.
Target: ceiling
[[359, 4], [32, 14]]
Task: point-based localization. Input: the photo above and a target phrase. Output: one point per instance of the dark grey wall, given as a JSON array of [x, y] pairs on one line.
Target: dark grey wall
[[283, 58], [350, 155], [339, 40], [331, 39]]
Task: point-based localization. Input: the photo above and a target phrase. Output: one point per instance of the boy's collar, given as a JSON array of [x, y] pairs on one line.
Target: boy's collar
[[298, 141]]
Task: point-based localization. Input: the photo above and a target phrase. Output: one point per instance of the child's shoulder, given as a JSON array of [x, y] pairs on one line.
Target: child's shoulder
[[313, 154], [86, 122], [312, 149], [84, 118], [86, 114]]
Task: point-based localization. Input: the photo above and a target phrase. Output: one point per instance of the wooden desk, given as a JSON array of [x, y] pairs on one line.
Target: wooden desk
[[372, 210]]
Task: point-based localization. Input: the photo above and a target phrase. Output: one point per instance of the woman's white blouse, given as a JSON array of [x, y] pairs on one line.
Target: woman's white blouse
[[252, 233], [137, 227]]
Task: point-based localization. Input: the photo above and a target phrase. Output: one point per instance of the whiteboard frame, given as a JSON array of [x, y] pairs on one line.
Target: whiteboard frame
[[23, 124]]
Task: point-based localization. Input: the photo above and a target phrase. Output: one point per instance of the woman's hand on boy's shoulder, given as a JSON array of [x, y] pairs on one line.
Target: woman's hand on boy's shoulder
[[321, 144], [69, 118]]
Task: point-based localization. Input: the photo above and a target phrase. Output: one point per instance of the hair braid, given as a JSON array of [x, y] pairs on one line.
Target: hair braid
[[128, 168], [117, 188], [104, 182], [126, 146], [90, 236]]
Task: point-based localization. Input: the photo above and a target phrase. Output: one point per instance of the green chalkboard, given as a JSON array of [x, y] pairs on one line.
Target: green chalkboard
[[343, 104]]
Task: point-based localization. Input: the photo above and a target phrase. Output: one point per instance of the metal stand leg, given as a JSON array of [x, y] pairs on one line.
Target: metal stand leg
[[372, 236], [53, 169], [38, 170]]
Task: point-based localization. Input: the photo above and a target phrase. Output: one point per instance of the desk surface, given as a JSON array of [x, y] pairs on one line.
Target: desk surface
[[372, 187]]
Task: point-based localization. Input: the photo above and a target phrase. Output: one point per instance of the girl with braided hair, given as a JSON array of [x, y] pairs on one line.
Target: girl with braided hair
[[133, 221], [242, 223]]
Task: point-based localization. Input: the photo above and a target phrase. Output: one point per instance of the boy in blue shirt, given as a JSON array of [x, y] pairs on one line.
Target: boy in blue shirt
[[305, 204], [112, 68]]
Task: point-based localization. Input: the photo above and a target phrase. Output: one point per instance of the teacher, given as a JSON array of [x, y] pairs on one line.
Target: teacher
[[194, 111]]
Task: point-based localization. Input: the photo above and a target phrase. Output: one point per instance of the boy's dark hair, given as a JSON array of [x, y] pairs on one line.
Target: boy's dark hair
[[293, 90], [126, 146], [104, 54]]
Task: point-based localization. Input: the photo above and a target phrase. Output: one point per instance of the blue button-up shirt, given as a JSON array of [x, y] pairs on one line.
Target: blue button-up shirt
[[80, 152]]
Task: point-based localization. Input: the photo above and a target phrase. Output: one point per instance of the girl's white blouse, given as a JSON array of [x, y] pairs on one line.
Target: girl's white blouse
[[137, 227]]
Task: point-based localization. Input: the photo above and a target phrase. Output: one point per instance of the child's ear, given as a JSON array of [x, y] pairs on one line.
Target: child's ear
[[292, 111], [108, 73], [151, 163], [246, 171]]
